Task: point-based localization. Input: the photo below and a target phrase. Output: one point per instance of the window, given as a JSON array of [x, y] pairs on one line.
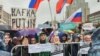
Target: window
[[91, 18]]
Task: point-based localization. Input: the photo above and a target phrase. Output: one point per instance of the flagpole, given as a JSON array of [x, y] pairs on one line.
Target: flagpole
[[50, 12], [55, 22], [64, 13]]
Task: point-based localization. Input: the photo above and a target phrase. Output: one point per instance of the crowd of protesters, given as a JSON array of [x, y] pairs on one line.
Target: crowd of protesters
[[42, 38]]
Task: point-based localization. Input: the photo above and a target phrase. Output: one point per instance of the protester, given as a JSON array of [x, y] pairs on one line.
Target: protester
[[85, 45], [24, 49], [33, 41], [16, 41], [76, 38], [86, 41], [43, 40], [75, 46], [55, 38], [72, 49], [64, 38], [3, 51], [67, 39], [95, 45], [8, 42]]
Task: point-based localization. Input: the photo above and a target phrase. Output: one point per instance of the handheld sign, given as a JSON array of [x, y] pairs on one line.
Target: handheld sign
[[88, 26], [34, 48]]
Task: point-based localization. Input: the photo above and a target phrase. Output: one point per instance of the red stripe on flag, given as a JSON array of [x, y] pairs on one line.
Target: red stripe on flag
[[37, 4], [77, 19], [69, 1], [59, 6]]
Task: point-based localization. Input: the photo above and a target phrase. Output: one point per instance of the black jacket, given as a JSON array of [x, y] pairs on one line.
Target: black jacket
[[21, 51]]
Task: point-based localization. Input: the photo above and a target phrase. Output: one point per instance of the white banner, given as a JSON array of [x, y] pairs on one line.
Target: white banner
[[36, 48], [88, 26]]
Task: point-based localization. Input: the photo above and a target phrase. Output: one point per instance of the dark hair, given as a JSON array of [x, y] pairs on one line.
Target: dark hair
[[42, 41], [31, 40], [73, 39], [64, 35], [7, 33], [42, 34], [23, 39]]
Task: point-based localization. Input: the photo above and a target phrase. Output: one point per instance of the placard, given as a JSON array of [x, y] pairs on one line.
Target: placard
[[22, 18], [36, 48]]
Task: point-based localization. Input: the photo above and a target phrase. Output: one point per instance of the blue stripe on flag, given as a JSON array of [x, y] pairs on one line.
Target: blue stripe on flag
[[32, 3], [78, 15]]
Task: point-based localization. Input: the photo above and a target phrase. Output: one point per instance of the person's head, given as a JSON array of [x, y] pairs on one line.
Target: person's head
[[25, 41], [76, 38], [7, 38], [16, 41], [56, 40], [33, 40], [43, 36], [87, 38], [64, 38]]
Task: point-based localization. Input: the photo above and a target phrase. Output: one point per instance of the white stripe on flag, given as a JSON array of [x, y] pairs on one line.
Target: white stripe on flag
[[71, 17]]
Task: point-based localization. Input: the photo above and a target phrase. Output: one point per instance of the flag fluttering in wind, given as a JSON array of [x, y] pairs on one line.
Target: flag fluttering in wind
[[32, 3], [35, 4], [61, 3], [76, 16]]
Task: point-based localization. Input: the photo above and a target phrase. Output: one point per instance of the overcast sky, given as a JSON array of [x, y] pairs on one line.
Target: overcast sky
[[43, 13]]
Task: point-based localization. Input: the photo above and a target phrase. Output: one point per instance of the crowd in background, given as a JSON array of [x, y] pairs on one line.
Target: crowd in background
[[42, 38]]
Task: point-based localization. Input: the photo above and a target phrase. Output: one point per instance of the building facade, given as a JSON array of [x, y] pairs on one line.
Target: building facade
[[75, 6], [4, 16], [94, 18]]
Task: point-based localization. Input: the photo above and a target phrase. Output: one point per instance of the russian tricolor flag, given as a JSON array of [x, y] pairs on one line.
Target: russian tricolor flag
[[61, 3], [76, 16], [35, 4]]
